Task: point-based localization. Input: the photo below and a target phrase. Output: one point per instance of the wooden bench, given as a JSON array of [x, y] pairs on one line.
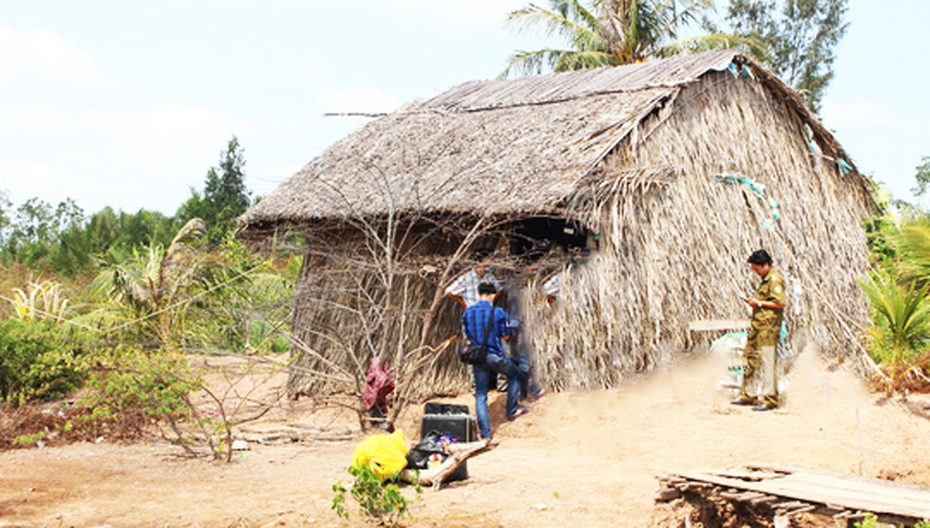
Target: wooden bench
[[715, 325]]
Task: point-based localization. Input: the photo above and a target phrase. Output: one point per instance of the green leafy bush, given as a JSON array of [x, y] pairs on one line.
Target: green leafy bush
[[377, 499], [128, 388], [38, 360]]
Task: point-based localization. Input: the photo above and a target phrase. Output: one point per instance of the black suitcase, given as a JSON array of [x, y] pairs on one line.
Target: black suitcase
[[444, 408], [453, 420]]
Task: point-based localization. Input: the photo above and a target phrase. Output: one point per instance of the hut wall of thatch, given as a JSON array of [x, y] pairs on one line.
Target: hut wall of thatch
[[683, 167], [355, 301], [675, 238]]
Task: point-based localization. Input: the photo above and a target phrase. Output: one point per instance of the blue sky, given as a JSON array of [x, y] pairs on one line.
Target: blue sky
[[128, 104]]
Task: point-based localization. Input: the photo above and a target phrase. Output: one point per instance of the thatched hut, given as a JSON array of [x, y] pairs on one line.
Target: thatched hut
[[670, 172]]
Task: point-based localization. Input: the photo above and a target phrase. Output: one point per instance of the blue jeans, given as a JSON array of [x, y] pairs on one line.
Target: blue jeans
[[515, 378]]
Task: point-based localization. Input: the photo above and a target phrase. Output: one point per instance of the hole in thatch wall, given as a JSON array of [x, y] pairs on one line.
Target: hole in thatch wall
[[535, 237]]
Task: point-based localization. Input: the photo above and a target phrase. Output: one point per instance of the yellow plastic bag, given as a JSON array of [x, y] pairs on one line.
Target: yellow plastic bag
[[385, 454]]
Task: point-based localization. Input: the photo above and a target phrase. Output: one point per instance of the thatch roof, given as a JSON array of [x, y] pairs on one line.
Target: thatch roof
[[501, 147]]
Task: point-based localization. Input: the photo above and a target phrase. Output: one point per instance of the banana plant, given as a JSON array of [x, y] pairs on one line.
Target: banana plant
[[39, 301]]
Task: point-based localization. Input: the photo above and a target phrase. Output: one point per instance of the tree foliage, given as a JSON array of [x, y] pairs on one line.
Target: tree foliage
[[34, 234], [251, 311], [225, 196], [62, 239], [913, 243], [613, 32], [5, 206], [152, 291], [922, 177], [799, 37]]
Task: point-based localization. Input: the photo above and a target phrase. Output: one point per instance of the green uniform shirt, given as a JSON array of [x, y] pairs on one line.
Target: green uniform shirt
[[766, 322]]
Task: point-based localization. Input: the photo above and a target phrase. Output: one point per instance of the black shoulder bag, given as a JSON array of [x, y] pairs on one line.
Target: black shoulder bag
[[477, 353]]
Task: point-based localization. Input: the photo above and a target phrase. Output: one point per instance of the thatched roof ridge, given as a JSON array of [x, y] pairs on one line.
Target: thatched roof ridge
[[489, 148], [567, 86]]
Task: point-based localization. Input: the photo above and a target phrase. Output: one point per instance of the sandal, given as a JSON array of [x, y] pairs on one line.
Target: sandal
[[520, 412]]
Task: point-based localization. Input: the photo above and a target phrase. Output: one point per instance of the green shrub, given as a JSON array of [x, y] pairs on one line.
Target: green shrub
[[38, 360], [128, 388], [377, 499]]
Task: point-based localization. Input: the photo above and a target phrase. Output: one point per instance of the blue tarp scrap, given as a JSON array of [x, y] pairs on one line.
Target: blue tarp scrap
[[758, 188], [845, 168]]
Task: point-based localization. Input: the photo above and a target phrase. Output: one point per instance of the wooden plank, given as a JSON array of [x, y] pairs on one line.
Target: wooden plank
[[867, 500], [790, 487], [844, 496], [835, 474], [747, 474], [838, 482], [790, 504], [844, 481], [814, 494], [837, 487], [840, 486], [801, 509]]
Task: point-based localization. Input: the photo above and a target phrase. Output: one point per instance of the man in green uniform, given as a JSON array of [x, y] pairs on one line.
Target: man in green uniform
[[768, 304]]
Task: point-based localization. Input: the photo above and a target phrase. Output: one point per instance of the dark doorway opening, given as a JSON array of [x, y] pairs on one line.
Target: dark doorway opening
[[535, 237]]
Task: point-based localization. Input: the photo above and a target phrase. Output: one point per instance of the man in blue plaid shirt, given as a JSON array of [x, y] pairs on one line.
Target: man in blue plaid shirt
[[475, 326]]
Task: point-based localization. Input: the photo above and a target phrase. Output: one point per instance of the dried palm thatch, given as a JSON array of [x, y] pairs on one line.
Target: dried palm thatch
[[682, 167]]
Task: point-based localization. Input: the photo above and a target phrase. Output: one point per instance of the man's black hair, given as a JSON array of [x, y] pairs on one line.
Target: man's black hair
[[487, 288], [481, 254], [760, 257]]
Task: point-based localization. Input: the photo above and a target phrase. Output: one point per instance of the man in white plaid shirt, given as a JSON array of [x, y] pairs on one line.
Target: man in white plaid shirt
[[464, 290]]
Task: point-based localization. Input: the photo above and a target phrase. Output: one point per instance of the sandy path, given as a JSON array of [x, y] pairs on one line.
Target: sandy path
[[578, 459]]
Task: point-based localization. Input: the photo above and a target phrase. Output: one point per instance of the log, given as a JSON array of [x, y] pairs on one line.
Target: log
[[458, 453]]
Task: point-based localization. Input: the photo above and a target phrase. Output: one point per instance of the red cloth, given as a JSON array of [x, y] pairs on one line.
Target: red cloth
[[378, 384]]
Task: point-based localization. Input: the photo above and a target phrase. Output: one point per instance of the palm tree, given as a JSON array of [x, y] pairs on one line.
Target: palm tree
[[900, 332], [613, 33], [913, 243], [155, 284]]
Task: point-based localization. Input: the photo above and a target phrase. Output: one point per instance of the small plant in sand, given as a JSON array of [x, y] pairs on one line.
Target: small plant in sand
[[379, 500], [871, 521], [899, 336]]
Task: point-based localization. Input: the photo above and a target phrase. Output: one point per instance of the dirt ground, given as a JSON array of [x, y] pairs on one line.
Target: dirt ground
[[577, 459]]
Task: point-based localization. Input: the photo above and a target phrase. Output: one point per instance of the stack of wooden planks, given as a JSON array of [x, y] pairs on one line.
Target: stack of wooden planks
[[791, 491]]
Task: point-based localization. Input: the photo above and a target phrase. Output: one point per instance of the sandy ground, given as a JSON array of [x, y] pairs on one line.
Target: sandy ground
[[578, 459]]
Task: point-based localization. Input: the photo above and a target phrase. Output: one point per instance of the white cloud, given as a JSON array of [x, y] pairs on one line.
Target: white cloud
[[33, 54], [34, 118], [292, 68], [151, 158], [124, 159], [861, 113], [357, 100], [269, 177], [26, 180], [471, 15], [168, 123]]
